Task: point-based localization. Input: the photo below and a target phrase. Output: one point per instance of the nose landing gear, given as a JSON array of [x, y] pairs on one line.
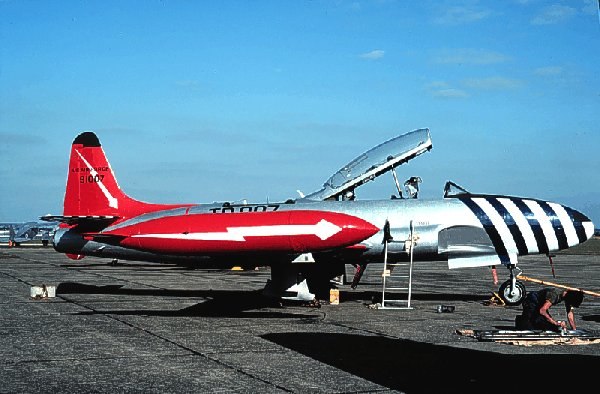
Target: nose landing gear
[[512, 291]]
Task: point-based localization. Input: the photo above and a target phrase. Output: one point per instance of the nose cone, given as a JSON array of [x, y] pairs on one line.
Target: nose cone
[[589, 228], [583, 225]]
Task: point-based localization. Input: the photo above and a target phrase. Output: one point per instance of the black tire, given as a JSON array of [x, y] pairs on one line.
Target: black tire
[[512, 299]]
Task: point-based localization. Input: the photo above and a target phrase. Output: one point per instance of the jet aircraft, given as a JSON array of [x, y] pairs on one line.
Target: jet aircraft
[[309, 240]]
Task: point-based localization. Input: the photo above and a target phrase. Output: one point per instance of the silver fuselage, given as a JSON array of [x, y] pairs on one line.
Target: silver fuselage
[[468, 230]]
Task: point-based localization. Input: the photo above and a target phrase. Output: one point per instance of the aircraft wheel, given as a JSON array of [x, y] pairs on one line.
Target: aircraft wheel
[[516, 297]]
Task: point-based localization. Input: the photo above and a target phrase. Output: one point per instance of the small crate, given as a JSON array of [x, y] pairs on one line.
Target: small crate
[[334, 296]]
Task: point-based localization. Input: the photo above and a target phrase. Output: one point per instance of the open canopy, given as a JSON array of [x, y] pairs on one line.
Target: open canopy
[[374, 162]]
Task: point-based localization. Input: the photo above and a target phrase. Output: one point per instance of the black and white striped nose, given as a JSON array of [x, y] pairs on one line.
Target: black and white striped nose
[[527, 226], [579, 219]]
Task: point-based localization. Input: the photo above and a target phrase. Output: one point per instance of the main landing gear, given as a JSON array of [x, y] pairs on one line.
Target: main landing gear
[[512, 291]]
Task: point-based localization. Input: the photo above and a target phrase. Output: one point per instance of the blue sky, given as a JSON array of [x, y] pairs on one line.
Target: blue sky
[[232, 100]]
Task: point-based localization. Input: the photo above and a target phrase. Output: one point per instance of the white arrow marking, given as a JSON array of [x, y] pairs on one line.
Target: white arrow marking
[[323, 230], [112, 202]]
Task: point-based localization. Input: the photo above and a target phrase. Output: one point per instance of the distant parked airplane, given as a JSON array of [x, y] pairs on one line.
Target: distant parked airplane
[[18, 233]]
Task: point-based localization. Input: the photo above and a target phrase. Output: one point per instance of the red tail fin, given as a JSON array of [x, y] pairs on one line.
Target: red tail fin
[[92, 188]]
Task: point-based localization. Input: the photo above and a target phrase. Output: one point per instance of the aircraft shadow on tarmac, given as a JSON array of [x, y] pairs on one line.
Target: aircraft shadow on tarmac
[[416, 367], [235, 303], [219, 303]]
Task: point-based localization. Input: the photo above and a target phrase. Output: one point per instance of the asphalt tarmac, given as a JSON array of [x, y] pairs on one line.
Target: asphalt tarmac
[[144, 327]]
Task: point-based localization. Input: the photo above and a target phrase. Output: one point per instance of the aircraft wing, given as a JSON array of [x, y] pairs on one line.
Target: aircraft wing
[[373, 163], [470, 246]]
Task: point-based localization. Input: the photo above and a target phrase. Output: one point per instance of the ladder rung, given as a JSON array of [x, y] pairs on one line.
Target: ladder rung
[[396, 288]]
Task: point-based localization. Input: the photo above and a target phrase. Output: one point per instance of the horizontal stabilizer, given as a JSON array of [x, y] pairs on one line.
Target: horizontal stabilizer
[[71, 220]]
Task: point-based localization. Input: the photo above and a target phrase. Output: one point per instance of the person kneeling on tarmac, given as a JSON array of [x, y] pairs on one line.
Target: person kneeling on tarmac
[[536, 309]]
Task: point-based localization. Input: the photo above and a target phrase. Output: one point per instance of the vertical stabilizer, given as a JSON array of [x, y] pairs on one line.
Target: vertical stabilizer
[[92, 187]]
